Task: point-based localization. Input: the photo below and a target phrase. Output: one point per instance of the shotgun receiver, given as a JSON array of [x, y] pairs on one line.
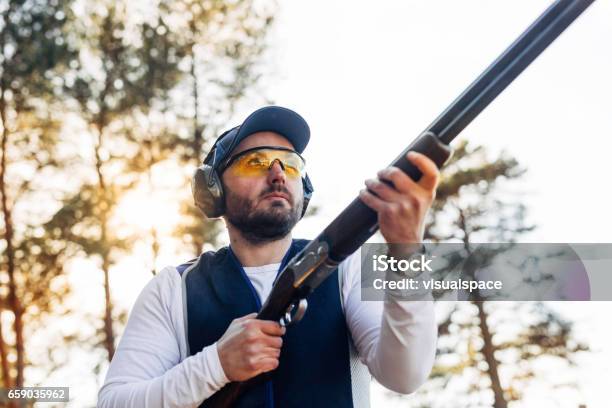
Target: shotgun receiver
[[357, 222]]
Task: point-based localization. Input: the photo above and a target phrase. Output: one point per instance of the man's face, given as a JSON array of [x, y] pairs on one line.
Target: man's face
[[263, 208]]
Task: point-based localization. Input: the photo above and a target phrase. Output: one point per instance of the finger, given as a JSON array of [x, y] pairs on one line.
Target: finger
[[275, 342], [430, 171], [259, 351], [382, 190], [401, 181], [271, 352], [247, 317], [371, 200], [271, 328], [267, 364], [264, 353]]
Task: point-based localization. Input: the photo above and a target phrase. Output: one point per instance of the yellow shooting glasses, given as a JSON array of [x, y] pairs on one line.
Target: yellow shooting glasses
[[259, 160]]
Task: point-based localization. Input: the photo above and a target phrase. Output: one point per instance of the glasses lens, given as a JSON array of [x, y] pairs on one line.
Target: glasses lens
[[258, 162]]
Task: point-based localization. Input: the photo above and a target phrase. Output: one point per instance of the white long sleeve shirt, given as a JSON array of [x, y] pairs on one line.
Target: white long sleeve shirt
[[396, 340]]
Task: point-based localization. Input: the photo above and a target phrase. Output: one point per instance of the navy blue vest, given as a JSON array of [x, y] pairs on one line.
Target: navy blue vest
[[314, 368]]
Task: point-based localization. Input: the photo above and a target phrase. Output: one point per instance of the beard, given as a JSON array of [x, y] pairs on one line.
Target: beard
[[259, 226]]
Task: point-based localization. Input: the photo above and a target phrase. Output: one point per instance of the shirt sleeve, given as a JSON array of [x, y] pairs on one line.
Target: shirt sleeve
[[150, 367], [395, 339]]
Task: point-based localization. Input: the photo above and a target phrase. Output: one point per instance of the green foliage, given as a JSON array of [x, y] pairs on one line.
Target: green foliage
[[34, 49], [34, 55], [470, 201], [77, 222], [149, 91], [122, 65], [524, 335], [219, 75], [488, 348]]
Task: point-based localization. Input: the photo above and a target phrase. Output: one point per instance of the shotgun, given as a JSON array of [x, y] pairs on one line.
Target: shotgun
[[357, 222]]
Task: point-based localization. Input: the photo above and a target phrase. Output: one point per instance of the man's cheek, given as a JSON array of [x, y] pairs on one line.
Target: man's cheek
[[297, 193]]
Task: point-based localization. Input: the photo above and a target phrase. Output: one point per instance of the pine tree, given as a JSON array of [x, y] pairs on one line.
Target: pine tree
[[225, 42], [482, 347], [34, 53], [126, 64], [134, 77]]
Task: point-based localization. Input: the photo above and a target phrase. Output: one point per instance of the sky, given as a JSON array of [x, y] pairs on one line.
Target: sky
[[370, 76]]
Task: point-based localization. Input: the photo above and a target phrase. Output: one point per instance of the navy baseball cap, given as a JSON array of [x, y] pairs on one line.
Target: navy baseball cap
[[283, 121]]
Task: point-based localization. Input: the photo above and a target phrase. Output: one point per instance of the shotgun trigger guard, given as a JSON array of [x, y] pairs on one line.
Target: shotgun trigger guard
[[294, 313]]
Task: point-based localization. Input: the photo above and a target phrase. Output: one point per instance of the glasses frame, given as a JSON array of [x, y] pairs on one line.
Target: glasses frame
[[235, 157]]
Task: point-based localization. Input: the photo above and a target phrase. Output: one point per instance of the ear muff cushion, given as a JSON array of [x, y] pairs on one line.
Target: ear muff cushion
[[208, 191]]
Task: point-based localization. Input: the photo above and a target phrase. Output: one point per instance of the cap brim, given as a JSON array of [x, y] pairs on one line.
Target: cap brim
[[277, 119]]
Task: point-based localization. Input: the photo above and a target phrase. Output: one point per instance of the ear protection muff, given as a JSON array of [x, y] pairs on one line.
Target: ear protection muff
[[208, 191], [308, 190], [207, 188]]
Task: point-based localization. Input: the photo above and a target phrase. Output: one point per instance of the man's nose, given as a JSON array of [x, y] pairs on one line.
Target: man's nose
[[276, 173]]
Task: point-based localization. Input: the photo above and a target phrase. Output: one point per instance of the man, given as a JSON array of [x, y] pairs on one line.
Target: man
[[192, 329]]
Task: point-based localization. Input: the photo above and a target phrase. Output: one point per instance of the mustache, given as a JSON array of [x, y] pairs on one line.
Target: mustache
[[276, 189]]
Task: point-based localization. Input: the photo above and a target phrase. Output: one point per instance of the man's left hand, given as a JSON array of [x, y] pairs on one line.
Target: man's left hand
[[402, 207]]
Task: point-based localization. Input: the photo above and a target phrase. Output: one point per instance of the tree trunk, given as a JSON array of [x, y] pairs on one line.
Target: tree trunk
[[197, 131], [154, 238], [109, 335], [6, 374], [8, 228], [488, 350], [13, 299]]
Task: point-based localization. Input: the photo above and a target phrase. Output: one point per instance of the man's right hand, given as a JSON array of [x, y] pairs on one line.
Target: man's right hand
[[250, 347]]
